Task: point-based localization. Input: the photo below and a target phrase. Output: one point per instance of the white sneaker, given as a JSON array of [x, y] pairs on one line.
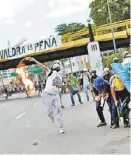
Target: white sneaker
[[61, 130], [52, 119]]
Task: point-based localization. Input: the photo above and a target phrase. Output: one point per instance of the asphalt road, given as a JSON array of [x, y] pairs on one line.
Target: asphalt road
[[23, 121]]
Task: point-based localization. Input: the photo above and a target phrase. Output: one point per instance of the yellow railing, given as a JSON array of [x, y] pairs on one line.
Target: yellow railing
[[102, 33], [128, 26], [122, 29]]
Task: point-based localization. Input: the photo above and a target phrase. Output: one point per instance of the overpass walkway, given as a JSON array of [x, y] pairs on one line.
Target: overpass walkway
[[74, 44]]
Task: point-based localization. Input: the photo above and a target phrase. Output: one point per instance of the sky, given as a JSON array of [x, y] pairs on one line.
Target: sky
[[37, 19]]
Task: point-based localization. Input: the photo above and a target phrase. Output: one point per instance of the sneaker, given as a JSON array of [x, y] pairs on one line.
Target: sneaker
[[61, 130], [52, 119], [62, 107], [111, 125], [114, 126], [6, 97], [81, 102], [126, 125], [73, 105], [101, 124]]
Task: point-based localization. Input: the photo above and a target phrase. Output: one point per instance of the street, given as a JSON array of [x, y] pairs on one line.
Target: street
[[23, 122]]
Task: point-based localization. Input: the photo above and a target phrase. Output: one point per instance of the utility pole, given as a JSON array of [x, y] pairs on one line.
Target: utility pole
[[112, 30], [91, 38]]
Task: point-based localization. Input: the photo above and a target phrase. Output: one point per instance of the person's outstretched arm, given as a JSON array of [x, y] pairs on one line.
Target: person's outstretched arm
[[38, 64]]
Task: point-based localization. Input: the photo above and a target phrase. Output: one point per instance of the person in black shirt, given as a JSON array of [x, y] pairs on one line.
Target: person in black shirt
[[93, 76]]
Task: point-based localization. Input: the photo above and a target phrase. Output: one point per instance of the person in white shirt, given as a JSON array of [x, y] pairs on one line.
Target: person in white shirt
[[86, 82], [50, 95]]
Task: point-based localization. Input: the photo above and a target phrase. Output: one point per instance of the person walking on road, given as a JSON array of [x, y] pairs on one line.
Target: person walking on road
[[86, 82], [80, 81], [72, 84], [93, 76], [39, 88], [50, 95], [6, 92]]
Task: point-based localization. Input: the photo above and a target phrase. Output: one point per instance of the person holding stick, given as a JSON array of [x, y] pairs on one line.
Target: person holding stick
[[101, 93], [119, 93]]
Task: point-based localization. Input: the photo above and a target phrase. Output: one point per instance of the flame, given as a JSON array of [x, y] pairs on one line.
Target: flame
[[29, 85], [21, 64]]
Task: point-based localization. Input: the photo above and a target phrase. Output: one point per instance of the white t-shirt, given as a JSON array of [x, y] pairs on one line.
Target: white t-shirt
[[52, 82], [85, 79], [127, 64]]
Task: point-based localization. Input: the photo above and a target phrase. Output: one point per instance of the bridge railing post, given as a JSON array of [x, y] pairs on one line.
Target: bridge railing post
[[91, 35]]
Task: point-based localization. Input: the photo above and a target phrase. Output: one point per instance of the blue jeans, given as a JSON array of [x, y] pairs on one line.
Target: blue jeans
[[99, 110], [72, 97], [86, 89], [114, 112]]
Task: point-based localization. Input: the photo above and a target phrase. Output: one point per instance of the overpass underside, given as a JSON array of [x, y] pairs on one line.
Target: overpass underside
[[75, 44], [71, 52]]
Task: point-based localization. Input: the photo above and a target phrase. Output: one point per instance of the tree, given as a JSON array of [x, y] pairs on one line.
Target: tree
[[109, 60], [69, 28], [120, 10]]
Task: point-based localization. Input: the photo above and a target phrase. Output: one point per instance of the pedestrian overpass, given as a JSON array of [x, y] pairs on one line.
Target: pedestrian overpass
[[74, 44]]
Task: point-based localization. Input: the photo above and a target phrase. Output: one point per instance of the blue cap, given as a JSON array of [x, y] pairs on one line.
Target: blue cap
[[100, 84]]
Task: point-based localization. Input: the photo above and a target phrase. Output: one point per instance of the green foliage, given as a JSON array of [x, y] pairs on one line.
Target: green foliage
[[69, 28], [120, 10], [109, 60]]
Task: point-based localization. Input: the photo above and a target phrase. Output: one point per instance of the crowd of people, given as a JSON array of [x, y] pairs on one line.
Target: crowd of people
[[9, 90], [107, 88]]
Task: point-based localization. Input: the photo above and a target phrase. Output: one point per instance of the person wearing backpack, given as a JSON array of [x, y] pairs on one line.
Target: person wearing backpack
[[50, 95], [119, 93]]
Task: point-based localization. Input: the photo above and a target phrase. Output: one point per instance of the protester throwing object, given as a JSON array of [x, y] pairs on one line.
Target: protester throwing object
[[50, 95]]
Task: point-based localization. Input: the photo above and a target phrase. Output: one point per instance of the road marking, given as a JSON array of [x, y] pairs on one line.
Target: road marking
[[35, 104], [19, 116]]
